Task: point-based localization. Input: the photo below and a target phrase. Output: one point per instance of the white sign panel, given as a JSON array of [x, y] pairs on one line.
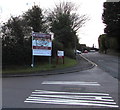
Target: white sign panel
[[60, 53], [41, 44]]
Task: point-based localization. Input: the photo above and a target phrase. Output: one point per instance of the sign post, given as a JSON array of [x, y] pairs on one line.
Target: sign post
[[32, 65], [60, 55]]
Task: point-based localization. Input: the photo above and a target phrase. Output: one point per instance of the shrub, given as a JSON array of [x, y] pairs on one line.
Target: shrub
[[70, 53], [56, 46]]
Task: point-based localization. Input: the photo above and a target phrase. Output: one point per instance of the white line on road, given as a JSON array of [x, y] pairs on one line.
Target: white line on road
[[71, 83], [72, 103], [89, 60], [83, 98], [55, 92], [70, 98], [75, 97]]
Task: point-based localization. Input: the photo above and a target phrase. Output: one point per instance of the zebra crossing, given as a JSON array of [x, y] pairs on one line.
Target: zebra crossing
[[71, 98]]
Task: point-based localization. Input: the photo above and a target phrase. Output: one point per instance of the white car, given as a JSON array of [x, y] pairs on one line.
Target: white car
[[78, 52], [92, 50]]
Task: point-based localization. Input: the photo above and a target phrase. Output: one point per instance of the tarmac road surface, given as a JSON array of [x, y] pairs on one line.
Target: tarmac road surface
[[108, 63], [91, 89]]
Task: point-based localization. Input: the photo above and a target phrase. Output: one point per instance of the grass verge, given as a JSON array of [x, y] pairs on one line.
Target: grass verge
[[40, 67]]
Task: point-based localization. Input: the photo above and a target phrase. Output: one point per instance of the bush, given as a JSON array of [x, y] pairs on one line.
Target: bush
[[56, 46], [70, 53], [113, 43]]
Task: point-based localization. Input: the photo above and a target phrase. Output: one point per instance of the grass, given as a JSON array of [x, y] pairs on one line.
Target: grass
[[40, 67]]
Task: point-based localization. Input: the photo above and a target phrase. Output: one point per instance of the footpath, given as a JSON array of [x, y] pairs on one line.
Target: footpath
[[82, 64]]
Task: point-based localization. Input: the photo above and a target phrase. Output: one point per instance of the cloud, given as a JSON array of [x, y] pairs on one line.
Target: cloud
[[112, 0]]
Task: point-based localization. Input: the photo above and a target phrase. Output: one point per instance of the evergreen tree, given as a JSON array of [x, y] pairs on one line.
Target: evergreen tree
[[35, 19], [111, 17], [13, 40]]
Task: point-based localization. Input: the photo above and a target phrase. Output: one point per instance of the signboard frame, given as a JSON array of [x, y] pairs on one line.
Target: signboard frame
[[60, 54], [41, 45]]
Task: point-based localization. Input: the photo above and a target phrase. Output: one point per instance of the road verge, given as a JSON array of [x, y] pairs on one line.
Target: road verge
[[82, 64]]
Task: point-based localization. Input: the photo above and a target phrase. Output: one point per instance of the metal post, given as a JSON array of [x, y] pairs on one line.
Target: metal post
[[32, 65], [75, 48]]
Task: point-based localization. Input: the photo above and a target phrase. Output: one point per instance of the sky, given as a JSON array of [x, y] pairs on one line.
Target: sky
[[88, 34]]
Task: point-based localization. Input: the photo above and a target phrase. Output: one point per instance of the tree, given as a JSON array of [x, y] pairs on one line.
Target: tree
[[111, 17], [35, 19], [15, 42], [103, 41], [16, 36], [64, 23]]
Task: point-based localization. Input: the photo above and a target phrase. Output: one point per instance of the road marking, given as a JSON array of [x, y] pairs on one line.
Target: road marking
[[55, 92], [89, 60], [74, 97], [72, 83], [70, 98]]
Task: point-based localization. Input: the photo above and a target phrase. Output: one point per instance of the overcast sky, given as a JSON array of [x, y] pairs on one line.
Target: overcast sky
[[92, 8]]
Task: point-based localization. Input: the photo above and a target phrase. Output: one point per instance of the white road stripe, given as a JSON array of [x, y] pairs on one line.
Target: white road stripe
[[55, 92], [74, 97], [72, 83], [70, 98], [89, 60], [82, 96], [86, 104], [67, 82]]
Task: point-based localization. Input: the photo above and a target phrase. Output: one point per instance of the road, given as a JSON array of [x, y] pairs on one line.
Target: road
[[106, 62], [93, 88]]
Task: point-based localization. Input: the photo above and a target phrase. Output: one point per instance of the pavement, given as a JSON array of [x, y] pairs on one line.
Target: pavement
[[82, 64]]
